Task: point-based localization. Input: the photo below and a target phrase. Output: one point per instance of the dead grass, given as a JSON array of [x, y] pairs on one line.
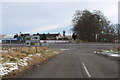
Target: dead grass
[[15, 54], [118, 47]]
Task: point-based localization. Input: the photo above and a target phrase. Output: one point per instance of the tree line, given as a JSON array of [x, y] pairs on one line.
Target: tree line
[[94, 26]]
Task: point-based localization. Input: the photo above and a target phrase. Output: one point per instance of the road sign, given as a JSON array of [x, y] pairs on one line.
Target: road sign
[[32, 40], [28, 43], [35, 37]]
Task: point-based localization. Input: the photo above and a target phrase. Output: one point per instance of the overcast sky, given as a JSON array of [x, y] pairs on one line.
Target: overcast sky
[[52, 17]]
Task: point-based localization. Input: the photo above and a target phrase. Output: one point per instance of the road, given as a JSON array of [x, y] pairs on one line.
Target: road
[[77, 61]]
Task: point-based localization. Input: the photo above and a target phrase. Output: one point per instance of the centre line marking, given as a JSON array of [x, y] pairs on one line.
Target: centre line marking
[[86, 70]]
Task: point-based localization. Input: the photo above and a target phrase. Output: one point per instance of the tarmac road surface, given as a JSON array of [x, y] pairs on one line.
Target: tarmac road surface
[[77, 61]]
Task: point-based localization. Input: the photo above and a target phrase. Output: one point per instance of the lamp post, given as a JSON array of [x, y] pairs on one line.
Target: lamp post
[[70, 32], [96, 37]]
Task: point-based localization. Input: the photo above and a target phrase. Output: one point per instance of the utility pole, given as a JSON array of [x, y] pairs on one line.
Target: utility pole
[[70, 32], [64, 33], [96, 36]]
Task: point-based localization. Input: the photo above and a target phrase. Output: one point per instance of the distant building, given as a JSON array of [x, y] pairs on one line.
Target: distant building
[[48, 36], [15, 38], [9, 38], [1, 36], [52, 36]]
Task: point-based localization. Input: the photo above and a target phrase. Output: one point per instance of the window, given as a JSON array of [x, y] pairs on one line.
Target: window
[[35, 37]]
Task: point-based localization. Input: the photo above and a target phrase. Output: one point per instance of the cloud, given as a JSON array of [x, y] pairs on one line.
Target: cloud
[[46, 28], [0, 18], [27, 22], [46, 17], [60, 0]]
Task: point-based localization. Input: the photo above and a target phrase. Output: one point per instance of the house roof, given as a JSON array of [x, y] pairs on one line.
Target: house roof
[[52, 34], [1, 36], [47, 34], [8, 36]]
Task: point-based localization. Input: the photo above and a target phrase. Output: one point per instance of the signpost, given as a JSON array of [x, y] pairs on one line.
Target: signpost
[[33, 41]]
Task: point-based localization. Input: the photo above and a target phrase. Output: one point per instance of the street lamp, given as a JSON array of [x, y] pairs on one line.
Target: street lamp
[[70, 31], [96, 37]]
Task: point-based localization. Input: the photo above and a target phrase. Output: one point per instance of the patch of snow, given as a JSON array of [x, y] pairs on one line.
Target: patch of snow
[[24, 62], [38, 54], [7, 68], [30, 55], [53, 41], [95, 51], [10, 63], [115, 55], [55, 52], [4, 72], [3, 50], [108, 53], [47, 50], [64, 49]]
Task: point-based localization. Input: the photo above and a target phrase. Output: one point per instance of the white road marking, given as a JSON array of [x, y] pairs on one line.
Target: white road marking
[[86, 70], [64, 49]]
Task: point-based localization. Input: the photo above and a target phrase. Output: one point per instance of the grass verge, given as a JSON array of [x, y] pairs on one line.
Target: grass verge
[[22, 59]]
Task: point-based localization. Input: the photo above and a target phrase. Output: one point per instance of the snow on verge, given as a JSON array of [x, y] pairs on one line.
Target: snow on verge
[[108, 53], [8, 67]]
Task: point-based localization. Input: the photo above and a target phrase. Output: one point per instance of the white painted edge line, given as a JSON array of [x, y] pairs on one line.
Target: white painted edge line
[[86, 70], [64, 49]]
